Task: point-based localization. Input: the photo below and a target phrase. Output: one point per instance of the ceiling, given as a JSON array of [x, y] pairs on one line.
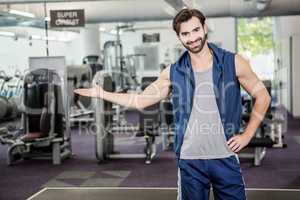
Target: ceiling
[[99, 11], [103, 11]]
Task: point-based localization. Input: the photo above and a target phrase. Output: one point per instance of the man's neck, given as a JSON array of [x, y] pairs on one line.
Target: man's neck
[[201, 58]]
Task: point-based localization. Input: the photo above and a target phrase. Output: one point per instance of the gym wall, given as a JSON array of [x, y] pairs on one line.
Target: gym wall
[[287, 37]]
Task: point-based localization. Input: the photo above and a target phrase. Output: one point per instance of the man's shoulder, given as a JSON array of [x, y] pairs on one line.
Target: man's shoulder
[[220, 50], [181, 58]]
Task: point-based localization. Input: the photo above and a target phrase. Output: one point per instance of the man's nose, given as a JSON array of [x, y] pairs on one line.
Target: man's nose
[[193, 37]]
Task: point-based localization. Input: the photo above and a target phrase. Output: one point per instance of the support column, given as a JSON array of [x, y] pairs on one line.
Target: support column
[[90, 40]]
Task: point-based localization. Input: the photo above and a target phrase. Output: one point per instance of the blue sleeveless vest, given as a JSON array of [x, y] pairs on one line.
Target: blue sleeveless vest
[[226, 89]]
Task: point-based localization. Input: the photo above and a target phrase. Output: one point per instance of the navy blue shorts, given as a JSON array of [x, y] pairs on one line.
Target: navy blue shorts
[[196, 177]]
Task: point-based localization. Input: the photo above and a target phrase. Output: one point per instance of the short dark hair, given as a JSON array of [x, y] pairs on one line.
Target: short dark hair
[[185, 15]]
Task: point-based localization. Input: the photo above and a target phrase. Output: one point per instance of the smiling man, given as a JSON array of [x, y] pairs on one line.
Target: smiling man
[[207, 106]]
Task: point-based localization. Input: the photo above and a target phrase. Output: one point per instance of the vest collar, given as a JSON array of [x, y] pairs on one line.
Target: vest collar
[[184, 63]]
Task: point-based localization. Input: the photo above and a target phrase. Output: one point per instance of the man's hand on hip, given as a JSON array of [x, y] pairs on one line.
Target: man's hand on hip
[[238, 142]]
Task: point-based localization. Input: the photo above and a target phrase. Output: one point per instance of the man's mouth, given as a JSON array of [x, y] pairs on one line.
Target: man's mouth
[[195, 44]]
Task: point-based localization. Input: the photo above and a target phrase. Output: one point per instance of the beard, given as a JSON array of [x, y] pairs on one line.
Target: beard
[[197, 48]]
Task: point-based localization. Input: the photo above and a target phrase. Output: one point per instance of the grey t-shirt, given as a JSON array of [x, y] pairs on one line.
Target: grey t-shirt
[[204, 137]]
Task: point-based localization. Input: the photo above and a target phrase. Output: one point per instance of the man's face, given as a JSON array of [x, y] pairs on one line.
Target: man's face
[[192, 35]]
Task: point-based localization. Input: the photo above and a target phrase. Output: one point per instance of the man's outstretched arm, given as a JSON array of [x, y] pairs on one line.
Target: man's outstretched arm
[[152, 94], [257, 90]]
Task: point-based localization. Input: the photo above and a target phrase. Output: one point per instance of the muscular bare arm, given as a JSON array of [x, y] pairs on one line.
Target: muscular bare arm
[[251, 83], [152, 94]]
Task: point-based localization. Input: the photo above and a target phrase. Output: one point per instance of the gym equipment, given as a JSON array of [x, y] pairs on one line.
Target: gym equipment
[[149, 124], [269, 134], [167, 123], [12, 86], [9, 109], [43, 133], [121, 68], [81, 77], [260, 142], [275, 121], [4, 79], [276, 132], [114, 62], [132, 62], [19, 84], [93, 62], [103, 118], [80, 106], [10, 98]]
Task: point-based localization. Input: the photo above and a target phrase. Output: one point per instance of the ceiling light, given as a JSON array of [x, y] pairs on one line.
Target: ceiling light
[[102, 29], [49, 38], [21, 13], [36, 37], [5, 33], [115, 32]]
